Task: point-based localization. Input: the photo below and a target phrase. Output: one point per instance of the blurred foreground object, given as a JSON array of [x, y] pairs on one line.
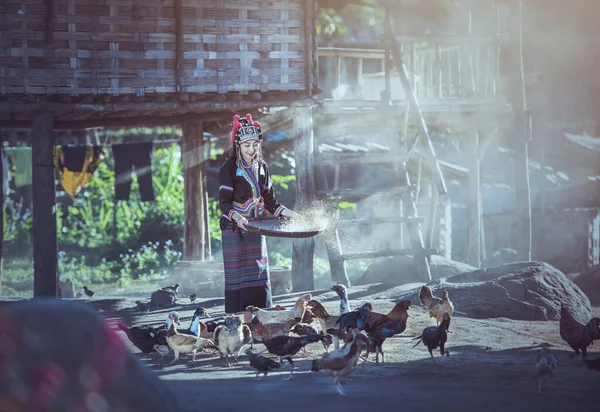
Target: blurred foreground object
[[60, 355]]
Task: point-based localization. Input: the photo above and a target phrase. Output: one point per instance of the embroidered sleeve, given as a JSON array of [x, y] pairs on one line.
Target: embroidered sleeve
[[269, 196], [226, 191]]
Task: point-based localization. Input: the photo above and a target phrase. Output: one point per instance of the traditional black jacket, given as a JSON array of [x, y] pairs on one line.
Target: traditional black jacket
[[239, 191]]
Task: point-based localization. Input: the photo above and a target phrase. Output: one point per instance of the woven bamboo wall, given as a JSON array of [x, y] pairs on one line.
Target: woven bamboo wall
[[143, 47]]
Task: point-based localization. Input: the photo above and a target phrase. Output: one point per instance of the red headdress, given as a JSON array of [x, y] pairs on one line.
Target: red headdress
[[245, 129]]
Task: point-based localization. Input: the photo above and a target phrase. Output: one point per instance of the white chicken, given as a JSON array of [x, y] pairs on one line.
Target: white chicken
[[231, 336], [281, 316]]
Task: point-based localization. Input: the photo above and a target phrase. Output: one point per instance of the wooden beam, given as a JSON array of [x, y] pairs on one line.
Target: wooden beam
[[412, 99], [521, 129], [389, 252], [45, 250], [196, 233], [303, 249], [474, 205]]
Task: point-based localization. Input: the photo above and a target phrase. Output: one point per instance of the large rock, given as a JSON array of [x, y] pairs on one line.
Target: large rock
[[520, 291], [398, 270]]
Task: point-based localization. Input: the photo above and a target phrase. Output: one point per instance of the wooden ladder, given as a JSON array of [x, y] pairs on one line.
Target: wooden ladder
[[404, 191]]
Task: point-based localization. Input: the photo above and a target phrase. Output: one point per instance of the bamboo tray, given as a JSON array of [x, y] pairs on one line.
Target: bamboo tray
[[282, 227]]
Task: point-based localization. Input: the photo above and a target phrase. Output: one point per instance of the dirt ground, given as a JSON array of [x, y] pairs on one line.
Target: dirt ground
[[490, 366]]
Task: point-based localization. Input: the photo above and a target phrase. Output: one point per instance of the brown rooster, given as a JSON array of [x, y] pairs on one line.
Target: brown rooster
[[436, 306], [379, 327], [578, 336], [435, 337], [341, 365]]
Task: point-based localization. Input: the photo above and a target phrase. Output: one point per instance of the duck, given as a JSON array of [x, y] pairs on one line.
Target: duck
[[144, 337]]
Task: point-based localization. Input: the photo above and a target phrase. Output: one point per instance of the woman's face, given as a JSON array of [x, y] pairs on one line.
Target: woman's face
[[249, 150]]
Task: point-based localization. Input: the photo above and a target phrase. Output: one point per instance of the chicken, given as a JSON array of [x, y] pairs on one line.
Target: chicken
[[174, 288], [230, 337], [281, 316], [89, 293], [144, 337], [436, 306], [142, 307], [193, 297], [326, 321], [287, 346], [163, 298], [593, 364], [340, 366], [544, 367], [186, 344], [379, 327], [578, 336], [435, 337], [302, 329], [262, 333], [261, 363], [355, 319], [61, 355]]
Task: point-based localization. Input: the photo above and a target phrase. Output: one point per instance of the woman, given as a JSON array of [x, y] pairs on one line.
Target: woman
[[246, 191]]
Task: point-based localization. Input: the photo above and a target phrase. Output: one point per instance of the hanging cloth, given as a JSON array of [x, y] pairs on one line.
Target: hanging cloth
[[76, 165]]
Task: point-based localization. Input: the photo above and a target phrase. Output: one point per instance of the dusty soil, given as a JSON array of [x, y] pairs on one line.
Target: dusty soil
[[490, 367]]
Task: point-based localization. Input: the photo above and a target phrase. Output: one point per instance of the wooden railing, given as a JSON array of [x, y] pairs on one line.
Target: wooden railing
[[440, 67]]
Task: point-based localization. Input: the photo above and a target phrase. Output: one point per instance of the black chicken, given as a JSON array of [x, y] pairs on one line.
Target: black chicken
[[436, 336], [287, 346], [89, 293], [356, 319], [261, 364], [302, 329], [143, 337]]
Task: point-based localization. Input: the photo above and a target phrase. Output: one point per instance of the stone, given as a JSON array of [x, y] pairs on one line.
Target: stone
[[521, 291], [398, 270]]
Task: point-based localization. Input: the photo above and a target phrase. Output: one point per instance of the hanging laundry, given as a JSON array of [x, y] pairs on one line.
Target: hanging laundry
[[21, 158], [76, 165], [133, 157]]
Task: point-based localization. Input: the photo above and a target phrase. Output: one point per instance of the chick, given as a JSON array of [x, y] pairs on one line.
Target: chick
[[89, 293], [544, 366], [261, 364], [193, 297]]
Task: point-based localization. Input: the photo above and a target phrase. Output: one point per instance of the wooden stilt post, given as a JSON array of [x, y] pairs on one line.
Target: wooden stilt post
[[521, 130], [45, 249], [303, 249], [474, 205], [196, 244]]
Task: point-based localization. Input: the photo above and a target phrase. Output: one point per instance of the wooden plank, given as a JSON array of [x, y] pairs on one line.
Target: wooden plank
[[389, 252], [521, 129], [374, 221], [196, 232], [45, 246], [474, 205], [366, 192], [303, 249], [327, 159]]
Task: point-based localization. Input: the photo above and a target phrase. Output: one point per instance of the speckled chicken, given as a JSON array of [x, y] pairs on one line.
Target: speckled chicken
[[435, 337], [436, 306], [230, 337]]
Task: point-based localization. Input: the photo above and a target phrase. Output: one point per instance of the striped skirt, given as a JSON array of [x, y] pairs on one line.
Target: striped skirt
[[246, 264]]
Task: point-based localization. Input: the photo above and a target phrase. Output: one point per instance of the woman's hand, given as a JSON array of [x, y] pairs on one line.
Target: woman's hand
[[241, 223], [290, 214]]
